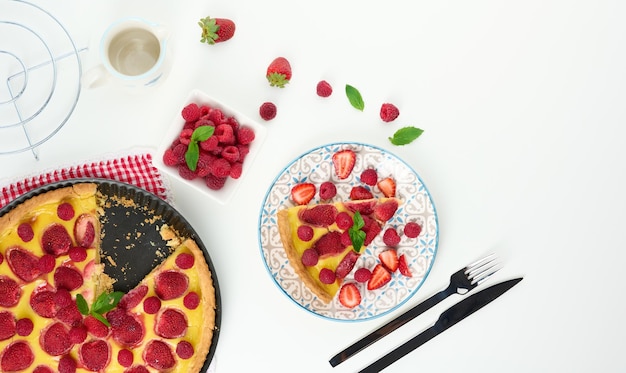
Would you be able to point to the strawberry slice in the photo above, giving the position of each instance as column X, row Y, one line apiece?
column 349, row 295
column 303, row 193
column 387, row 187
column 343, row 161
column 403, row 266
column 389, row 259
column 380, row 277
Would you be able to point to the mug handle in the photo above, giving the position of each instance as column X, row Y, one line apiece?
column 95, row 77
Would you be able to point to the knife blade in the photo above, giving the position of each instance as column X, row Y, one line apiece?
column 448, row 318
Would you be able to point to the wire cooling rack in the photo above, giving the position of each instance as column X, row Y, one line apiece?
column 40, row 76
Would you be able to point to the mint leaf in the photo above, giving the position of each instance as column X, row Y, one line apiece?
column 106, row 302
column 101, row 319
column 202, row 133
column 192, row 155
column 357, row 236
column 82, row 305
column 405, row 135
column 193, row 151
column 354, row 96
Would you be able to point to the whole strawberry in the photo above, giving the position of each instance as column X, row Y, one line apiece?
column 279, row 72
column 216, row 30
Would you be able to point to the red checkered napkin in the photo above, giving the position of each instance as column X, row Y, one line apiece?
column 136, row 169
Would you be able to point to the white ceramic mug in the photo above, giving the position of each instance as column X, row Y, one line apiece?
column 133, row 54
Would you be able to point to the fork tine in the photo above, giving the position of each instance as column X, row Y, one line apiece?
column 481, row 273
column 472, row 267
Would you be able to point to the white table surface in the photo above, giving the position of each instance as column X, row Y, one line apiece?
column 523, row 107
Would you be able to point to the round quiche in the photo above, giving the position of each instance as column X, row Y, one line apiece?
column 59, row 311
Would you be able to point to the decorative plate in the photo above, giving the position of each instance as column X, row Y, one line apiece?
column 315, row 166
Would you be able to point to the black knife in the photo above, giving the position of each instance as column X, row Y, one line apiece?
column 448, row 318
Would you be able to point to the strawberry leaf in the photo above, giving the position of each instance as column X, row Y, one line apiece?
column 355, row 98
column 357, row 236
column 82, row 305
column 405, row 135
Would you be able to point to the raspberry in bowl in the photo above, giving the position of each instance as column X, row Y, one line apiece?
column 209, row 146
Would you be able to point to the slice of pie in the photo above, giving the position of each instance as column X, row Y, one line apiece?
column 50, row 256
column 317, row 240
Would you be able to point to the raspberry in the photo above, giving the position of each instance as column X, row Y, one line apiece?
column 310, row 257
column 25, row 231
column 179, row 151
column 324, row 89
column 191, row 300
column 343, row 220
column 185, row 260
column 151, row 305
column 231, row 153
column 216, row 116
column 65, row 211
column 203, row 167
column 369, row 176
column 214, row 182
column 267, row 111
column 245, row 135
column 220, row 167
column 185, row 136
column 185, row 172
column 391, row 237
column 62, row 298
column 388, row 112
column 78, row 254
column 412, row 229
column 232, row 121
column 362, row 275
column 67, row 364
column 327, row 190
column 236, row 169
column 209, row 144
column 184, row 350
column 225, row 134
column 125, row 358
column 305, row 233
column 204, row 110
column 24, row 327
column 169, row 158
column 191, row 112
column 327, row 276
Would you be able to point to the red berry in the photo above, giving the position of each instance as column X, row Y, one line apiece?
column 214, row 182
column 324, row 89
column 362, row 275
column 95, row 355
column 67, row 278
column 78, row 254
column 231, row 153
column 133, row 297
column 65, row 211
column 170, row 284
column 245, row 135
column 158, row 355
column 369, row 176
column 25, row 231
column 191, row 112
column 171, row 323
column 388, row 112
column 185, row 260
column 78, row 334
column 391, row 237
column 344, row 220
column 236, row 169
column 191, row 300
column 359, row 192
column 412, row 229
column 349, row 295
column 310, row 257
column 95, row 327
column 17, row 356
column 8, row 326
column 267, row 110
column 225, row 134
column 327, row 276
column 125, row 328
column 23, row 263
column 327, row 190
column 125, row 358
column 305, row 233
column 151, row 305
column 55, row 240
column 10, row 291
column 184, row 350
column 24, row 327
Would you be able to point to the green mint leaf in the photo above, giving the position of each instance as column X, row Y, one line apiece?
column 101, row 319
column 202, row 133
column 405, row 135
column 357, row 236
column 192, row 155
column 106, row 302
column 82, row 305
column 354, row 96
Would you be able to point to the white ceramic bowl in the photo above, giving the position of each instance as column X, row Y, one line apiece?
column 224, row 194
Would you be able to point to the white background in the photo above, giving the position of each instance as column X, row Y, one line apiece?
column 523, row 107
